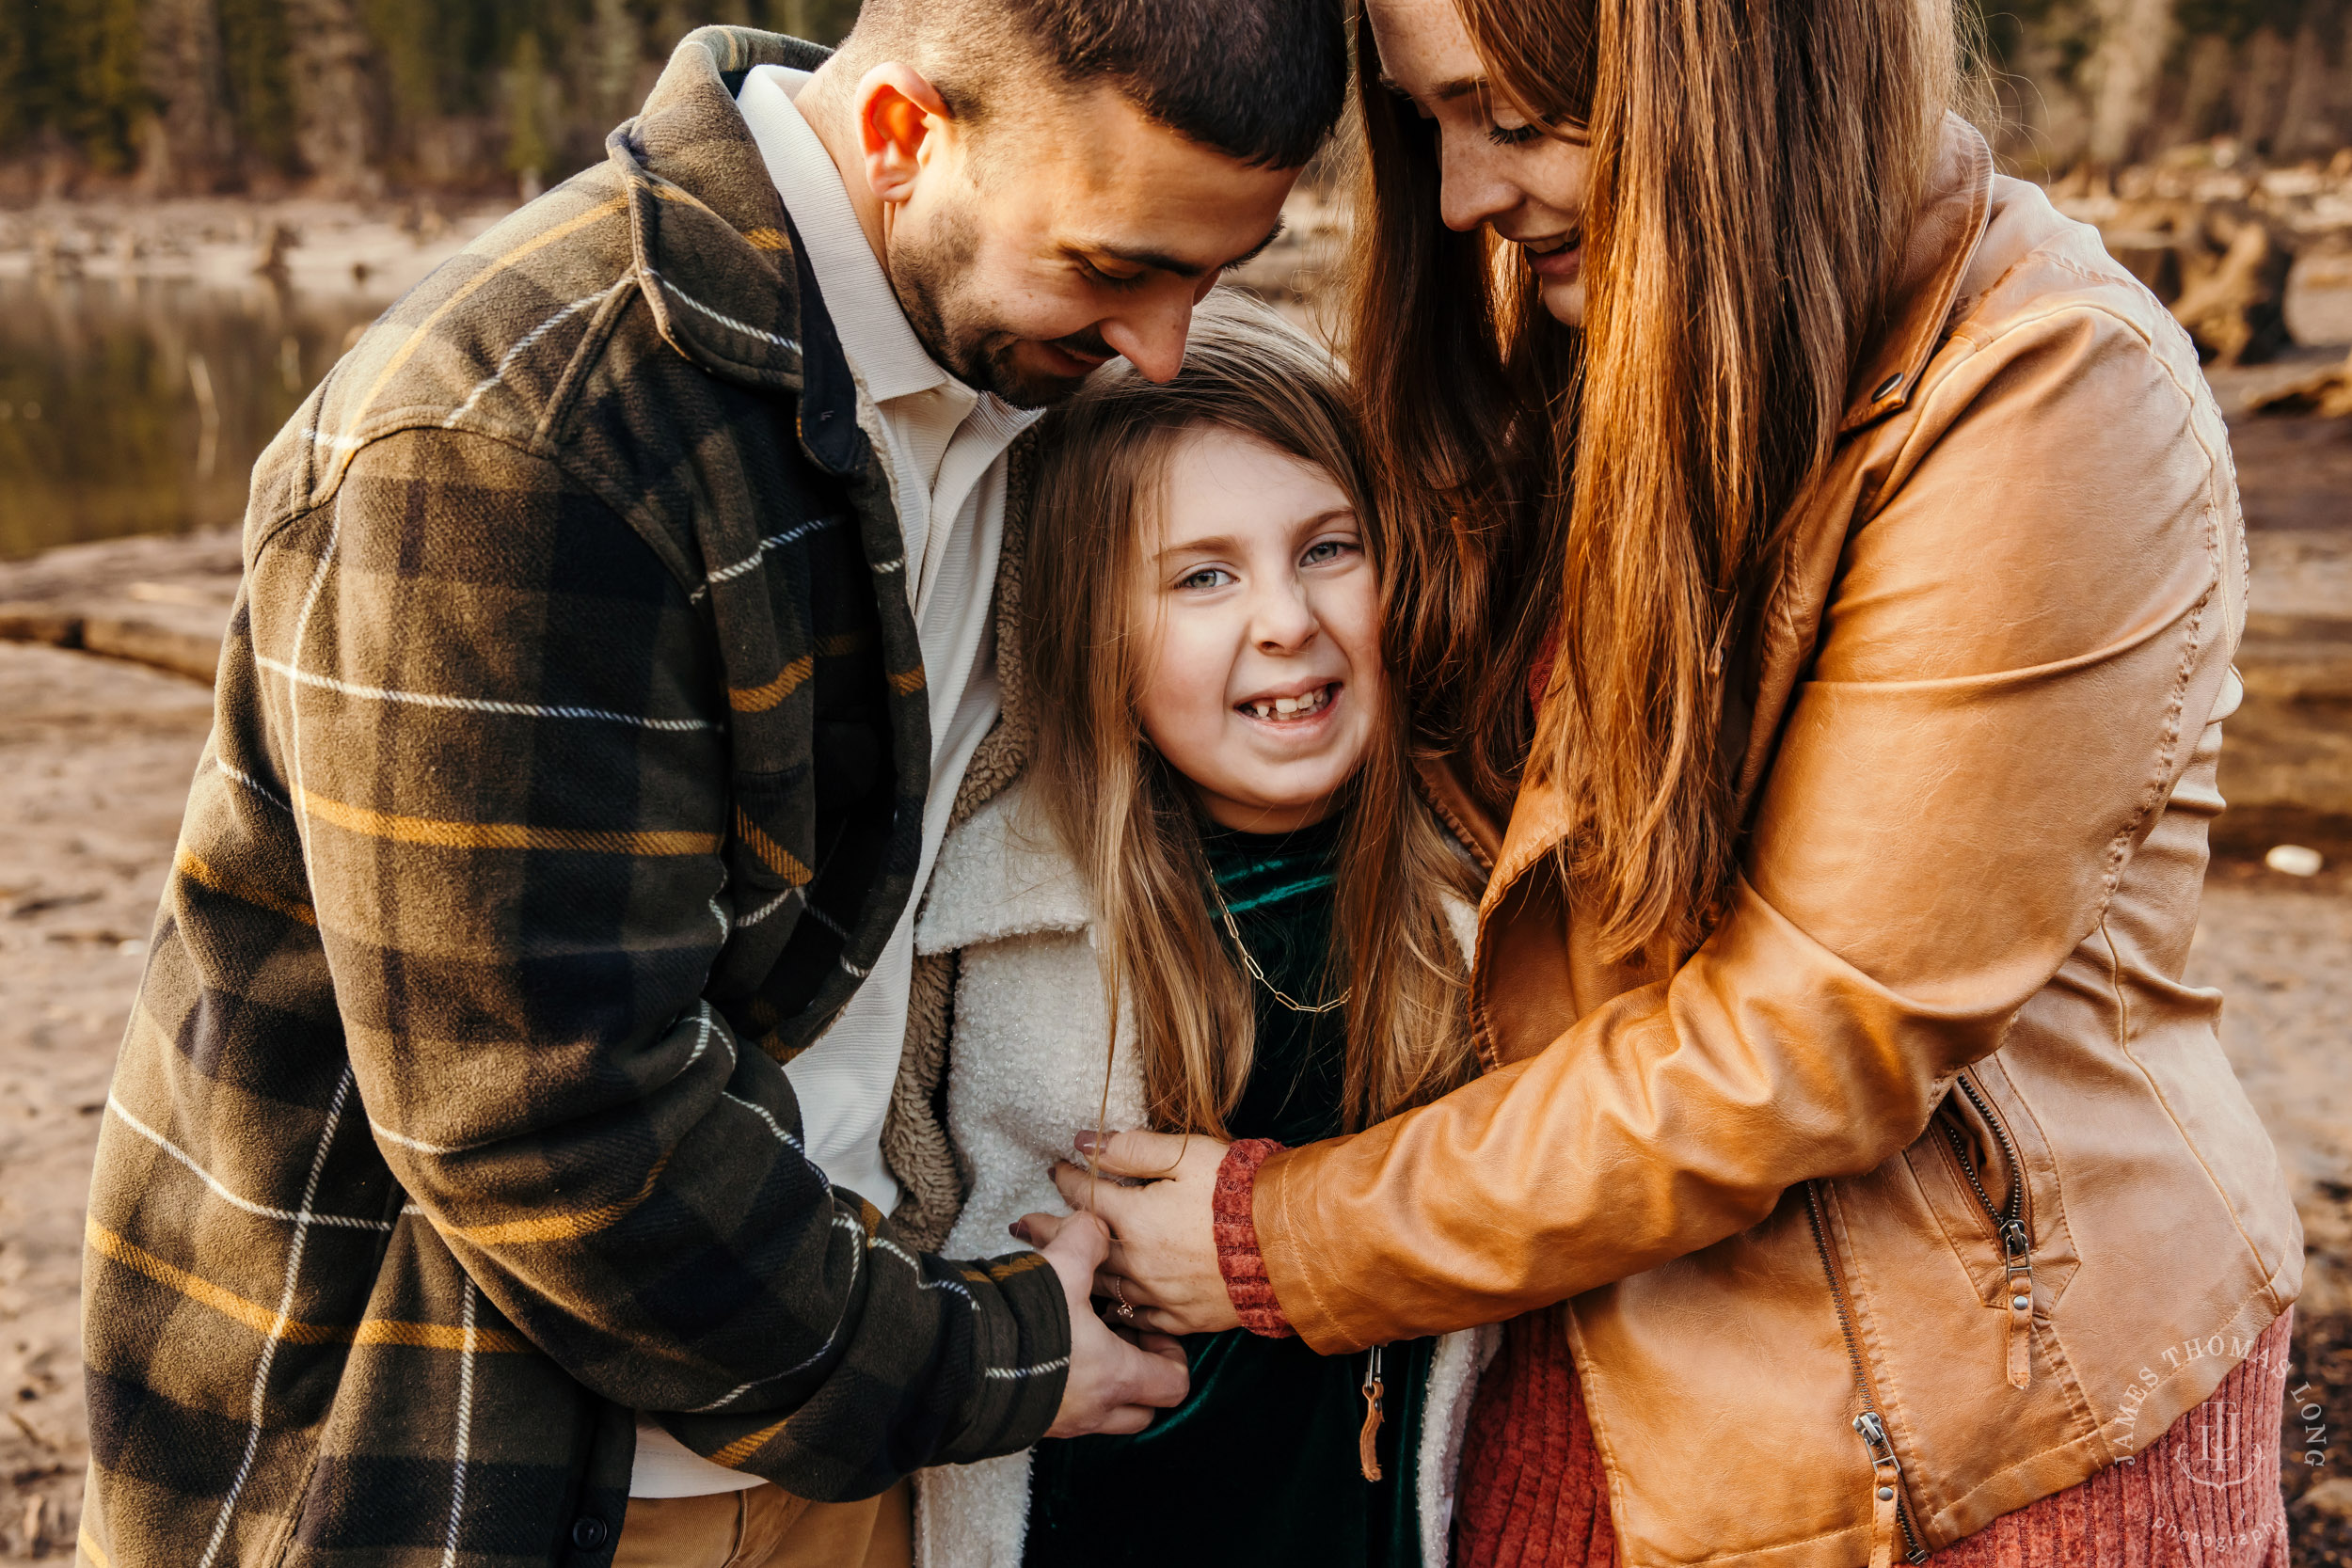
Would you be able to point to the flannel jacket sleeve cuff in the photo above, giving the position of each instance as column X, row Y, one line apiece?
column 1020, row 1351
column 1236, row 1230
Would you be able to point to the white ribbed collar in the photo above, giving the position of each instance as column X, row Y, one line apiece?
column 884, row 350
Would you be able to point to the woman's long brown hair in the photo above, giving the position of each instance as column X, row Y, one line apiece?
column 1129, row 820
column 1756, row 166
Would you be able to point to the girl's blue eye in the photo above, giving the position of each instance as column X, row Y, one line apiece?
column 1329, row 549
column 1208, row 576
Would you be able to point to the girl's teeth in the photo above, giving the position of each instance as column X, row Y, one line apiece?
column 1288, row 707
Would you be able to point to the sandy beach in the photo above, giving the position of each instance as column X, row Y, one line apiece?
column 95, row 757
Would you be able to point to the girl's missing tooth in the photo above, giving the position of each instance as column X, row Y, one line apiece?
column 1219, row 844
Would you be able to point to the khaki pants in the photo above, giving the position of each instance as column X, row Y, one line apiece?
column 764, row 1527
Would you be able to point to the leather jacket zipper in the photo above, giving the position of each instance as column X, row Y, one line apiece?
column 2009, row 1224
column 1889, row 1513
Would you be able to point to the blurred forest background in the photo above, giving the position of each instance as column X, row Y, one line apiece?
column 362, row 98
column 335, row 97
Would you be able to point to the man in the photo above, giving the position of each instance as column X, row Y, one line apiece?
column 499, row 1134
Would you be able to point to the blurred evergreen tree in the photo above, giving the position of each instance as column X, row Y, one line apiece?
column 528, row 151
column 18, row 118
column 72, row 67
column 257, row 51
column 2237, row 20
column 539, row 81
column 817, row 21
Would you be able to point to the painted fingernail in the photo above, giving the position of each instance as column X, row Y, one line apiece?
column 1090, row 1143
column 1020, row 1232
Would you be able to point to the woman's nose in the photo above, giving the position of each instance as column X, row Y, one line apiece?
column 1471, row 190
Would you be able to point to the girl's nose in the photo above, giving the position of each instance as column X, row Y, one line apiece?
column 1282, row 620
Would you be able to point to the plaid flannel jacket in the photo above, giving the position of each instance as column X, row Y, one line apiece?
column 566, row 776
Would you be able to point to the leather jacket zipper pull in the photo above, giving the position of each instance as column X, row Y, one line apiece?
column 2017, row 1251
column 1883, row 1531
column 2016, row 1241
column 1888, row 1532
column 1365, row 1451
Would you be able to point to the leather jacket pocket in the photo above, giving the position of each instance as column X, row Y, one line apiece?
column 1987, row 1172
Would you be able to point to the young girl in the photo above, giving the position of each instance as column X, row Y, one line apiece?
column 1220, row 844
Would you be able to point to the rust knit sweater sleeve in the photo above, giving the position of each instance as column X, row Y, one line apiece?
column 1237, row 1232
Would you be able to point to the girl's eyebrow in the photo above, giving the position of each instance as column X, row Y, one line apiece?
column 1220, row 544
column 1215, row 544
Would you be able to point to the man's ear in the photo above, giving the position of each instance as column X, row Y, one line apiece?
column 899, row 113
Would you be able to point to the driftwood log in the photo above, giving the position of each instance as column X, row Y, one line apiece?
column 141, row 641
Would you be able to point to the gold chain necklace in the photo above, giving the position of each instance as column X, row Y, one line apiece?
column 1312, row 1010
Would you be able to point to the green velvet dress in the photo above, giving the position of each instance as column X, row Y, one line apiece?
column 1259, row 1466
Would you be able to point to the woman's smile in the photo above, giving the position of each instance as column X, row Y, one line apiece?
column 1556, row 256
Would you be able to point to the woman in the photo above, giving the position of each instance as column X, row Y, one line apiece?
column 1867, row 542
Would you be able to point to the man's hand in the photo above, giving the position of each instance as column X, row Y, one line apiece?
column 1163, row 1254
column 1114, row 1384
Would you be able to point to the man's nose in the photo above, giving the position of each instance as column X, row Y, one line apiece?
column 1153, row 338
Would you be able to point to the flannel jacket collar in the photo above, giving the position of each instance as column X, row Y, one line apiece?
column 721, row 268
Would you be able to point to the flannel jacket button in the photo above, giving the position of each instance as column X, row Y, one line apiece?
column 588, row 1533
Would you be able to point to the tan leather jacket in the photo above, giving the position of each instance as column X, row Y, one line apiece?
column 1986, row 708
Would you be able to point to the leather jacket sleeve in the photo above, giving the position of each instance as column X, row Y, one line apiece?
column 2035, row 586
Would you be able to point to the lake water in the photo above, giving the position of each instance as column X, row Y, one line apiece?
column 139, row 405
column 136, row 404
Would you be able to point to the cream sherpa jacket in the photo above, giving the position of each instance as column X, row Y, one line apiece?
column 1027, row 1065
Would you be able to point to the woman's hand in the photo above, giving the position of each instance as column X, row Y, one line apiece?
column 1163, row 1256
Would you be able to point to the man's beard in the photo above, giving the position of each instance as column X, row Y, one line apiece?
column 933, row 285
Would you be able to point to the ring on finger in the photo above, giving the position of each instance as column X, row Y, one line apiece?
column 1118, row 1293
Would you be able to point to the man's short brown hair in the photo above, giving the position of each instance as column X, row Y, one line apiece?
column 1261, row 81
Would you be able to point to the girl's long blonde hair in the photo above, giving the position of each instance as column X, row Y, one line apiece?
column 1128, row 820
column 1756, row 167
